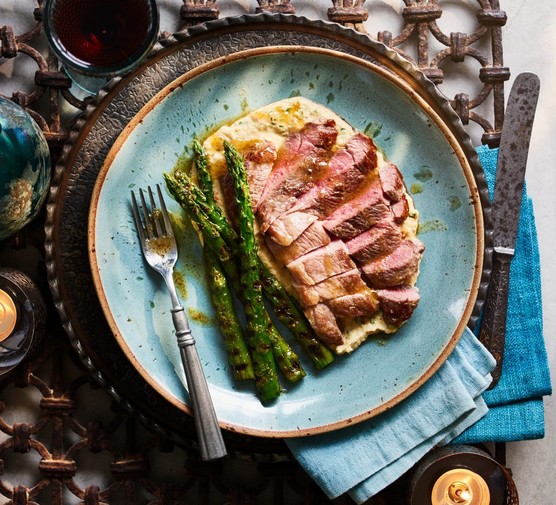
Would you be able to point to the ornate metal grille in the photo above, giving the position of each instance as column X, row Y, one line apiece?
column 420, row 32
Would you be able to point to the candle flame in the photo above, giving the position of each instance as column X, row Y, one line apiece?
column 459, row 492
column 465, row 495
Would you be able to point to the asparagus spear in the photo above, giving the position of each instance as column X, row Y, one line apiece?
column 203, row 174
column 184, row 194
column 286, row 358
column 238, row 354
column 257, row 325
column 284, row 307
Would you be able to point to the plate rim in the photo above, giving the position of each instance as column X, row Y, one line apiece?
column 276, row 22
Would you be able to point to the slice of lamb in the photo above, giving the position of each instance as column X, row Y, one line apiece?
column 347, row 170
column 301, row 159
column 333, row 287
column 259, row 162
column 392, row 182
column 363, row 303
column 324, row 262
column 398, row 303
column 400, row 210
column 312, row 238
column 378, row 241
column 289, row 227
column 324, row 323
column 397, row 268
column 367, row 208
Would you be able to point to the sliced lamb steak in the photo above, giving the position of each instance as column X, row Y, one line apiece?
column 363, row 303
column 259, row 162
column 333, row 287
column 324, row 323
column 299, row 163
column 380, row 240
column 347, row 171
column 312, row 238
column 397, row 304
column 392, row 182
column 400, row 210
column 318, row 265
column 396, row 268
column 288, row 227
column 357, row 215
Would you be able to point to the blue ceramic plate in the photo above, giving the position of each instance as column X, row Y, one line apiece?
column 381, row 372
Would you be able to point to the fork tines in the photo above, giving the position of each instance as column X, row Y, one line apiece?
column 154, row 222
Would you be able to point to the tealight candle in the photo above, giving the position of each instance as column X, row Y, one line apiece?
column 459, row 475
column 22, row 318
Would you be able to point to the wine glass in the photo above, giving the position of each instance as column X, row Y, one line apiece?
column 99, row 39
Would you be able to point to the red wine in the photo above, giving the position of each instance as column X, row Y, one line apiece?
column 102, row 33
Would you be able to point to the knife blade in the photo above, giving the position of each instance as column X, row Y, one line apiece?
column 506, row 207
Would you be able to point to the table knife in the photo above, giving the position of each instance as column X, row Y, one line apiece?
column 506, row 207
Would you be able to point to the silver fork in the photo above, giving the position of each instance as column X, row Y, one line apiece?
column 160, row 250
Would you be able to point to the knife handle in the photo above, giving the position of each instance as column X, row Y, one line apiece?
column 211, row 442
column 493, row 328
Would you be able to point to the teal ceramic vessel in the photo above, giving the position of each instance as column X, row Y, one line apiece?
column 24, row 168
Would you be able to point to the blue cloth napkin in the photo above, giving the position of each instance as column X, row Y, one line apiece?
column 367, row 457
column 453, row 405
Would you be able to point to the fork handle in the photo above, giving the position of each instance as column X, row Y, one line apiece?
column 211, row 443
